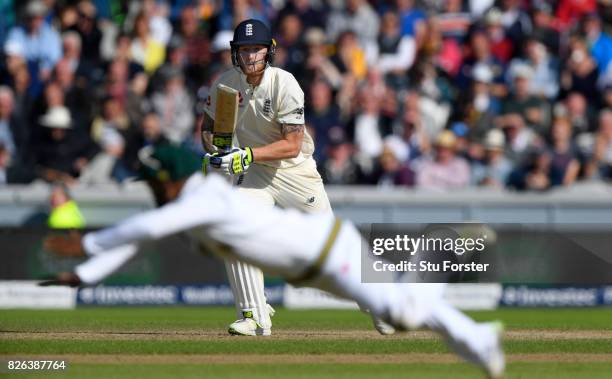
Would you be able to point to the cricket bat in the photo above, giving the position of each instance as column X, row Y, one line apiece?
column 226, row 115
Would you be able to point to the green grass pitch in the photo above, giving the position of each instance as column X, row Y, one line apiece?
column 181, row 342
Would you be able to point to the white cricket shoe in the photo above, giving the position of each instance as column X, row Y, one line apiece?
column 382, row 327
column 489, row 355
column 492, row 359
column 247, row 326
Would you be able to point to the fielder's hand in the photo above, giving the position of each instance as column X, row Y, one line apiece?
column 237, row 161
column 65, row 245
column 63, row 279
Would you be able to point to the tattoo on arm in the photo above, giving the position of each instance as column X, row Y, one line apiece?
column 291, row 128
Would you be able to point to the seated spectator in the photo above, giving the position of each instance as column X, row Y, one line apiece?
column 61, row 153
column 145, row 50
column 600, row 164
column 350, row 57
column 41, row 43
column 580, row 73
column 323, row 115
column 444, row 170
column 496, row 168
column 564, row 166
column 392, row 168
column 339, row 166
column 544, row 28
column 412, row 20
column 521, row 101
column 599, row 41
column 5, row 161
column 175, row 107
column 368, row 137
column 318, row 65
column 502, row 47
column 519, row 137
column 477, row 107
column 576, row 108
column 534, row 175
column 545, row 80
column 395, row 53
column 358, row 17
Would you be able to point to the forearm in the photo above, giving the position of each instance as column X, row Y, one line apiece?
column 287, row 147
column 206, row 134
column 100, row 266
column 282, row 149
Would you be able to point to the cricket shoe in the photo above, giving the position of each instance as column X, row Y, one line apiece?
column 489, row 355
column 247, row 326
column 493, row 360
column 382, row 327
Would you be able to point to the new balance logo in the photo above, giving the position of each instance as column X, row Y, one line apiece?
column 310, row 200
column 249, row 29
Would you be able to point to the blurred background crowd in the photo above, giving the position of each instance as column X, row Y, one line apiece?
column 437, row 94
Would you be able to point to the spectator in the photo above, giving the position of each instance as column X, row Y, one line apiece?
column 13, row 134
column 520, row 137
column 412, row 20
column 323, row 115
column 564, row 165
column 392, row 168
column 313, row 14
column 600, row 164
column 545, row 80
column 477, row 108
column 290, row 48
column 579, row 113
column 395, row 53
column 544, row 27
column 479, row 51
column 318, row 66
column 40, row 41
column 222, row 57
column 61, row 153
column 444, row 170
column 91, row 36
column 496, row 168
column 521, row 101
column 145, row 50
column 350, row 57
column 535, row 174
column 580, row 72
column 5, row 161
column 339, row 166
column 599, row 41
column 65, row 213
column 516, row 21
column 357, row 17
column 502, row 47
column 175, row 107
column 368, row 138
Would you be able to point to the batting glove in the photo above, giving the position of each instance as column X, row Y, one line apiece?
column 212, row 163
column 237, row 161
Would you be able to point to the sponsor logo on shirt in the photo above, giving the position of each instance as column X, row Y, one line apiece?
column 267, row 109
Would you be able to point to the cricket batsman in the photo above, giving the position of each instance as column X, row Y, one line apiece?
column 315, row 250
column 272, row 156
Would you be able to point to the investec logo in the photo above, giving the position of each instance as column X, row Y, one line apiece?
column 249, row 29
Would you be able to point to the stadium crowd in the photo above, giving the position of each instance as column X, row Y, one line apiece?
column 437, row 94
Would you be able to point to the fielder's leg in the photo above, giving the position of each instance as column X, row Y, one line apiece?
column 410, row 306
column 247, row 283
column 302, row 188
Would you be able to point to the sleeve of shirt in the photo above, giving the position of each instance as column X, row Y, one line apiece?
column 291, row 102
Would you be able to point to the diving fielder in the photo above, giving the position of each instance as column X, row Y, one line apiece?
column 317, row 250
column 274, row 158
